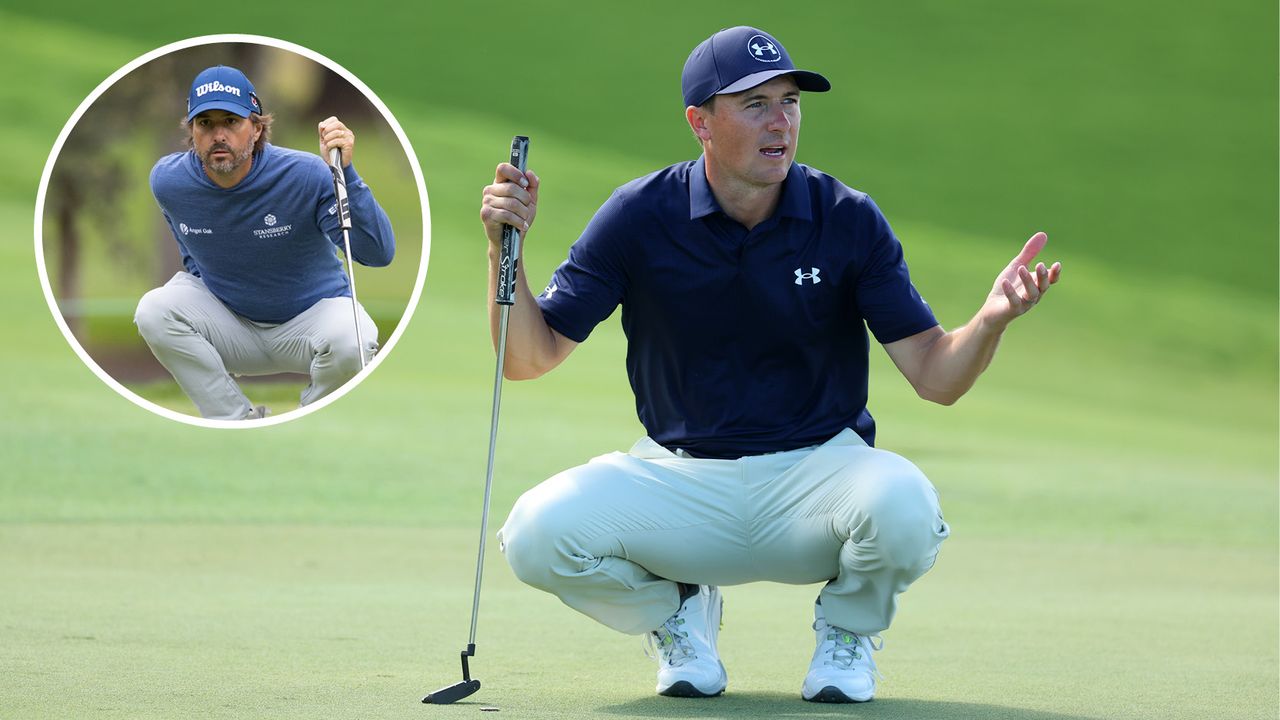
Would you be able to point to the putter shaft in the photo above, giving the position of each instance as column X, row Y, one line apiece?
column 344, row 219
column 504, row 312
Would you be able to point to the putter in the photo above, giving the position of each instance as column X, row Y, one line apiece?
column 344, row 218
column 508, row 260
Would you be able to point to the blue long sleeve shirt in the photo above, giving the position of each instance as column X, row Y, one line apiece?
column 267, row 247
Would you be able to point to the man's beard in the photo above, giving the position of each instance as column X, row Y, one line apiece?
column 229, row 166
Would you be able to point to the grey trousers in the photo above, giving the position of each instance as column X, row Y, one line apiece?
column 613, row 537
column 202, row 343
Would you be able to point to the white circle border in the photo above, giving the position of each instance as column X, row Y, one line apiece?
column 115, row 77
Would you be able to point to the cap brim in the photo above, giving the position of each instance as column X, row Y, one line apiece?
column 805, row 80
column 230, row 107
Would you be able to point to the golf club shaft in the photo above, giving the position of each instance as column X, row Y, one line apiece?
column 504, row 312
column 344, row 218
column 508, row 261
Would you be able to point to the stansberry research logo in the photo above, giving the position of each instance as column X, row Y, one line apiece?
column 273, row 228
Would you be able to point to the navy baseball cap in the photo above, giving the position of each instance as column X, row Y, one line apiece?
column 222, row 88
column 737, row 59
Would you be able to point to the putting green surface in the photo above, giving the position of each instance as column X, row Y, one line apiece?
column 234, row 621
column 1111, row 482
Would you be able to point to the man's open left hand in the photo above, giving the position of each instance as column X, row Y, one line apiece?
column 1018, row 288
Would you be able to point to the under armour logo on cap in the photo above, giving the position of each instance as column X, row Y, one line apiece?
column 718, row 66
column 763, row 49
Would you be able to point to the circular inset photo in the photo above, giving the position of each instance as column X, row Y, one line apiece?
column 232, row 231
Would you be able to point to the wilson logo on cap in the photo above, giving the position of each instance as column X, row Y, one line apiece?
column 763, row 49
column 216, row 86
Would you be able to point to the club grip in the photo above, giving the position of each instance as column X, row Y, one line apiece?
column 509, row 257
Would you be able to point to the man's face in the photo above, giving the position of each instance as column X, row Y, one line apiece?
column 223, row 141
column 751, row 136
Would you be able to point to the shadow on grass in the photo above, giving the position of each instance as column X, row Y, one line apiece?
column 788, row 705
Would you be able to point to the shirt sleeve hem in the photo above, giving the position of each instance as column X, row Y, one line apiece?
column 562, row 326
column 905, row 331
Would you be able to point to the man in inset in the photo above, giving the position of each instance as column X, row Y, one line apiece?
column 747, row 283
column 264, row 290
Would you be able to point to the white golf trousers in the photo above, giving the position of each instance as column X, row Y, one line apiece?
column 202, row 343
column 613, row 537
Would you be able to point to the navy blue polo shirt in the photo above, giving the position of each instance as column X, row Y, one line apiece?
column 741, row 342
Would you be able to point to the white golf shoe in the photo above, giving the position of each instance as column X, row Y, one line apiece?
column 842, row 670
column 688, row 664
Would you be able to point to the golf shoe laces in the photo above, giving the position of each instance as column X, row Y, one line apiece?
column 848, row 649
column 670, row 644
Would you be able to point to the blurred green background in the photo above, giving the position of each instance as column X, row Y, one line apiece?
column 105, row 242
column 1111, row 481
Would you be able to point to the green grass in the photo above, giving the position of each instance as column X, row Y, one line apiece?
column 1111, row 482
column 278, row 397
column 233, row 621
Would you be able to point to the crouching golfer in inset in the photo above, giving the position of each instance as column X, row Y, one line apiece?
column 264, row 290
column 747, row 283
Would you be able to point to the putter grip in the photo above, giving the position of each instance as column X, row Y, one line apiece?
column 341, row 205
column 509, row 257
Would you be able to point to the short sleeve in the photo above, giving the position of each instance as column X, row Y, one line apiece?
column 592, row 280
column 885, row 297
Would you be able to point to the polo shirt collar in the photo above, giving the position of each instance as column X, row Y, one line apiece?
column 794, row 202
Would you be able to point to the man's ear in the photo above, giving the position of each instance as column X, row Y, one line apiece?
column 697, row 118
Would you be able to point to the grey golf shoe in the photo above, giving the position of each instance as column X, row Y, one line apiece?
column 688, row 663
column 842, row 670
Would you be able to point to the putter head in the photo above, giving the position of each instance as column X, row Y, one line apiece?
column 452, row 693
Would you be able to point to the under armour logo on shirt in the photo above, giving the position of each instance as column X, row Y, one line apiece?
column 801, row 276
column 550, row 290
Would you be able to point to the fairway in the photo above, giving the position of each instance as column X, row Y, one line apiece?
column 1111, row 483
